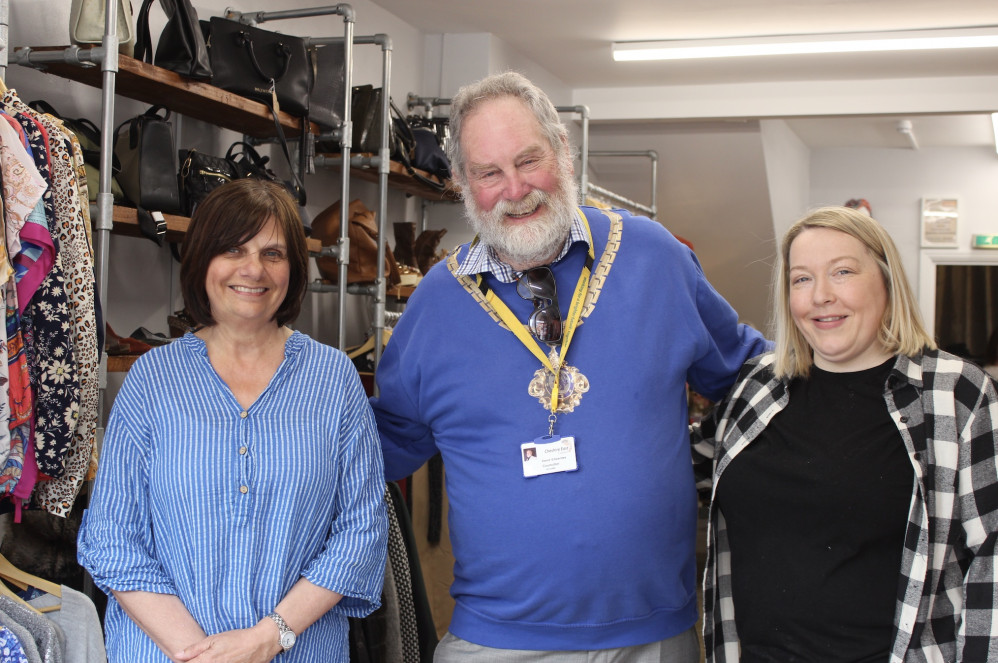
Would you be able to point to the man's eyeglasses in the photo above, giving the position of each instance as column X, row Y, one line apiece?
column 545, row 322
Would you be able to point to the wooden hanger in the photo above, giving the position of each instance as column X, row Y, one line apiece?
column 9, row 593
column 368, row 345
column 24, row 580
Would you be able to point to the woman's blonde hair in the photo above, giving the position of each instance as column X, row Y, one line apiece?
column 901, row 330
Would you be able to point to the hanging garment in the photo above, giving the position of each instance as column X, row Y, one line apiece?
column 74, row 244
column 57, row 496
column 11, row 650
column 47, row 636
column 23, row 187
column 77, row 617
column 402, row 574
column 24, row 639
column 393, row 623
column 22, row 190
column 46, row 322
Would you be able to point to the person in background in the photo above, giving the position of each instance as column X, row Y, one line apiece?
column 238, row 511
column 571, row 330
column 855, row 490
column 860, row 205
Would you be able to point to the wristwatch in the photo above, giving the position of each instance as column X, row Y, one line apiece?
column 287, row 635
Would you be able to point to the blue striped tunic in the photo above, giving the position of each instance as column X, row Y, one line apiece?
column 228, row 508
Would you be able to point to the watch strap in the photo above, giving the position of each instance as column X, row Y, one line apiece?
column 285, row 631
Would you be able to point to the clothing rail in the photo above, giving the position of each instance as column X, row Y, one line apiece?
column 652, row 155
column 107, row 56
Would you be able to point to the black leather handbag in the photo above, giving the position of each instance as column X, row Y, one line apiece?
column 181, row 46
column 365, row 115
column 418, row 149
column 200, row 174
column 144, row 146
column 248, row 61
column 325, row 104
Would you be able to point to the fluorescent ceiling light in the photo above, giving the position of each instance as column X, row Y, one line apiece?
column 906, row 40
column 994, row 127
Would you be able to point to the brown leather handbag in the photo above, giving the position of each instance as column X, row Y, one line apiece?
column 363, row 233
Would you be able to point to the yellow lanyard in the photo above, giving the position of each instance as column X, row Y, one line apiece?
column 571, row 323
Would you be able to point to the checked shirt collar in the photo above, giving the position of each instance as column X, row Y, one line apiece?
column 481, row 258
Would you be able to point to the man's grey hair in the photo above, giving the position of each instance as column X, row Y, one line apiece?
column 496, row 86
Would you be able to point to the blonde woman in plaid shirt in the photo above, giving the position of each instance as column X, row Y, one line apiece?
column 854, row 509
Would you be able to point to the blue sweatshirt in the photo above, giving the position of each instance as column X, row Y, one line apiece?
column 596, row 558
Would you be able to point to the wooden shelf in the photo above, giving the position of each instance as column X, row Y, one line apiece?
column 125, row 222
column 120, row 363
column 400, row 179
column 154, row 85
column 401, row 291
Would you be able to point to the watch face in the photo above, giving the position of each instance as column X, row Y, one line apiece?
column 287, row 639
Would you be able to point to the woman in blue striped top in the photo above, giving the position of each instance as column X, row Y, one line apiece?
column 238, row 513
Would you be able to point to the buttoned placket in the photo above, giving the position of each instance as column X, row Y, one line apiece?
column 244, row 498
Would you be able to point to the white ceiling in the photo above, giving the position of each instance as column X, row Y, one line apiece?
column 572, row 40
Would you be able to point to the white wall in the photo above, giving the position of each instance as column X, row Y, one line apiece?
column 788, row 171
column 712, row 190
column 895, row 181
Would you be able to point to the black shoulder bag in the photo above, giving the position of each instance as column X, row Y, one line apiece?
column 404, row 146
column 181, row 46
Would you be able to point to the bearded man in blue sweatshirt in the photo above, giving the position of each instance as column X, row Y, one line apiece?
column 621, row 312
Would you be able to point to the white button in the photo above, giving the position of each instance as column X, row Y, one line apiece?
column 243, row 489
column 242, row 450
column 244, row 414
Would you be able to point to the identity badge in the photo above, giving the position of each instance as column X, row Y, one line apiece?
column 547, row 455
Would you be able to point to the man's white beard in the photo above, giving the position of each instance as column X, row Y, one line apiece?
column 529, row 244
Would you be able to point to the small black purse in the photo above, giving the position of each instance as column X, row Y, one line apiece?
column 200, row 174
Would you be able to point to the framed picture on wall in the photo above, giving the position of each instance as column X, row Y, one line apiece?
column 940, row 220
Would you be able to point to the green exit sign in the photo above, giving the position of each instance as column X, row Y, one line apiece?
column 985, row 242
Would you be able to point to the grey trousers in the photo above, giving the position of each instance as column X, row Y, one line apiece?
column 682, row 648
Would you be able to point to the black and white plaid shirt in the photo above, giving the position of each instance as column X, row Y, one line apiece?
column 946, row 410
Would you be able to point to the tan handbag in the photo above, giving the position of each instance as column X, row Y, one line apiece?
column 86, row 24
column 363, row 234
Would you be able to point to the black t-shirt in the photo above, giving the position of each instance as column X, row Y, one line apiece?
column 816, row 511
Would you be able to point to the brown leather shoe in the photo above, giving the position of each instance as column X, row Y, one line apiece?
column 123, row 345
column 180, row 323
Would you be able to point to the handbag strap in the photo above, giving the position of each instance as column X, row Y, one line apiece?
column 245, row 40
column 299, row 187
column 143, row 38
column 248, row 152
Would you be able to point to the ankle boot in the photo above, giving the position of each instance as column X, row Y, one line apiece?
column 425, row 249
column 405, row 236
